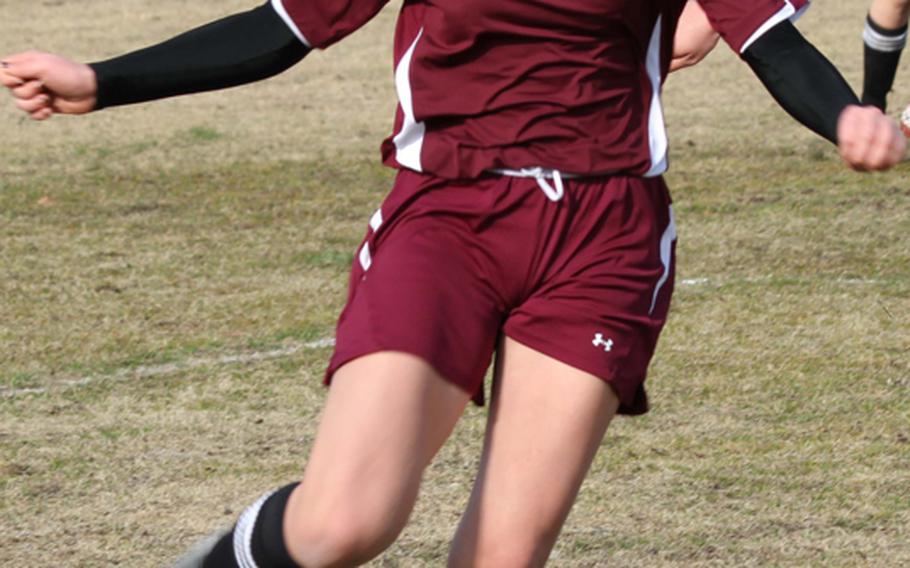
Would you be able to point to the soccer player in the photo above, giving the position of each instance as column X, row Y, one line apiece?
column 529, row 217
column 884, row 38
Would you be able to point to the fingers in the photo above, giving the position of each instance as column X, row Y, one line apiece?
column 868, row 140
column 887, row 149
column 851, row 139
column 40, row 81
column 35, row 103
column 22, row 67
column 7, row 79
column 42, row 114
column 30, row 95
column 28, row 89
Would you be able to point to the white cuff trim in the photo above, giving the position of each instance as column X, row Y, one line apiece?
column 785, row 13
column 279, row 9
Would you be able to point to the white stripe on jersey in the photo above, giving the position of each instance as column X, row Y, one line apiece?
column 657, row 131
column 409, row 141
column 279, row 8
column 785, row 13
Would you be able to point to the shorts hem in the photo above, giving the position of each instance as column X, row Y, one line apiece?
column 633, row 400
column 450, row 376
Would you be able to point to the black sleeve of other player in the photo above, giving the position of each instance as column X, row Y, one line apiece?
column 800, row 79
column 232, row 51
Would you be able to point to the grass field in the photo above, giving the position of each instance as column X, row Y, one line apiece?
column 169, row 274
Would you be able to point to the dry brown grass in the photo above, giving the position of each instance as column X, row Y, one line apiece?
column 157, row 250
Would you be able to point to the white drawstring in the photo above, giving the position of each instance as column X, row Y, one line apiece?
column 553, row 192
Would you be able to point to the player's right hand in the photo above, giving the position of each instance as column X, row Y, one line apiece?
column 44, row 84
column 868, row 140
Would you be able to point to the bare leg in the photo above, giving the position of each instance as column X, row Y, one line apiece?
column 546, row 422
column 891, row 14
column 386, row 416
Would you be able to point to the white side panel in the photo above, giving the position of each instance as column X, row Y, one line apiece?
column 657, row 131
column 408, row 142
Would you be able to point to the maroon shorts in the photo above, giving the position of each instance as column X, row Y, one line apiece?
column 447, row 266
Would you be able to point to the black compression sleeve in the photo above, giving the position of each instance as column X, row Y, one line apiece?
column 800, row 79
column 232, row 51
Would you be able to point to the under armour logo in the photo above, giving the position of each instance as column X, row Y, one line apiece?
column 600, row 341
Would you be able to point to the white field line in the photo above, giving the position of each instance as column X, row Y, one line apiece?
column 704, row 281
column 694, row 281
column 146, row 371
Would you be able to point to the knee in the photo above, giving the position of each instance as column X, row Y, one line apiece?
column 343, row 537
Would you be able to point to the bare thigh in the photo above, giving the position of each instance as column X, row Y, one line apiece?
column 386, row 416
column 547, row 420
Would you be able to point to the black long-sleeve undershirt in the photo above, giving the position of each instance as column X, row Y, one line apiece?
column 800, row 79
column 235, row 50
column 257, row 44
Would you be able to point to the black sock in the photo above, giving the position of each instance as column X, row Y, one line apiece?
column 259, row 532
column 222, row 555
column 881, row 53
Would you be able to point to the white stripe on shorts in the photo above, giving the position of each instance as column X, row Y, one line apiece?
column 376, row 220
column 366, row 259
column 666, row 256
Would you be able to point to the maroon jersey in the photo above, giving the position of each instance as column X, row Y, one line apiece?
column 572, row 85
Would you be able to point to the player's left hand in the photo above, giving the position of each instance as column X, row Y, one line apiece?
column 44, row 84
column 868, row 140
